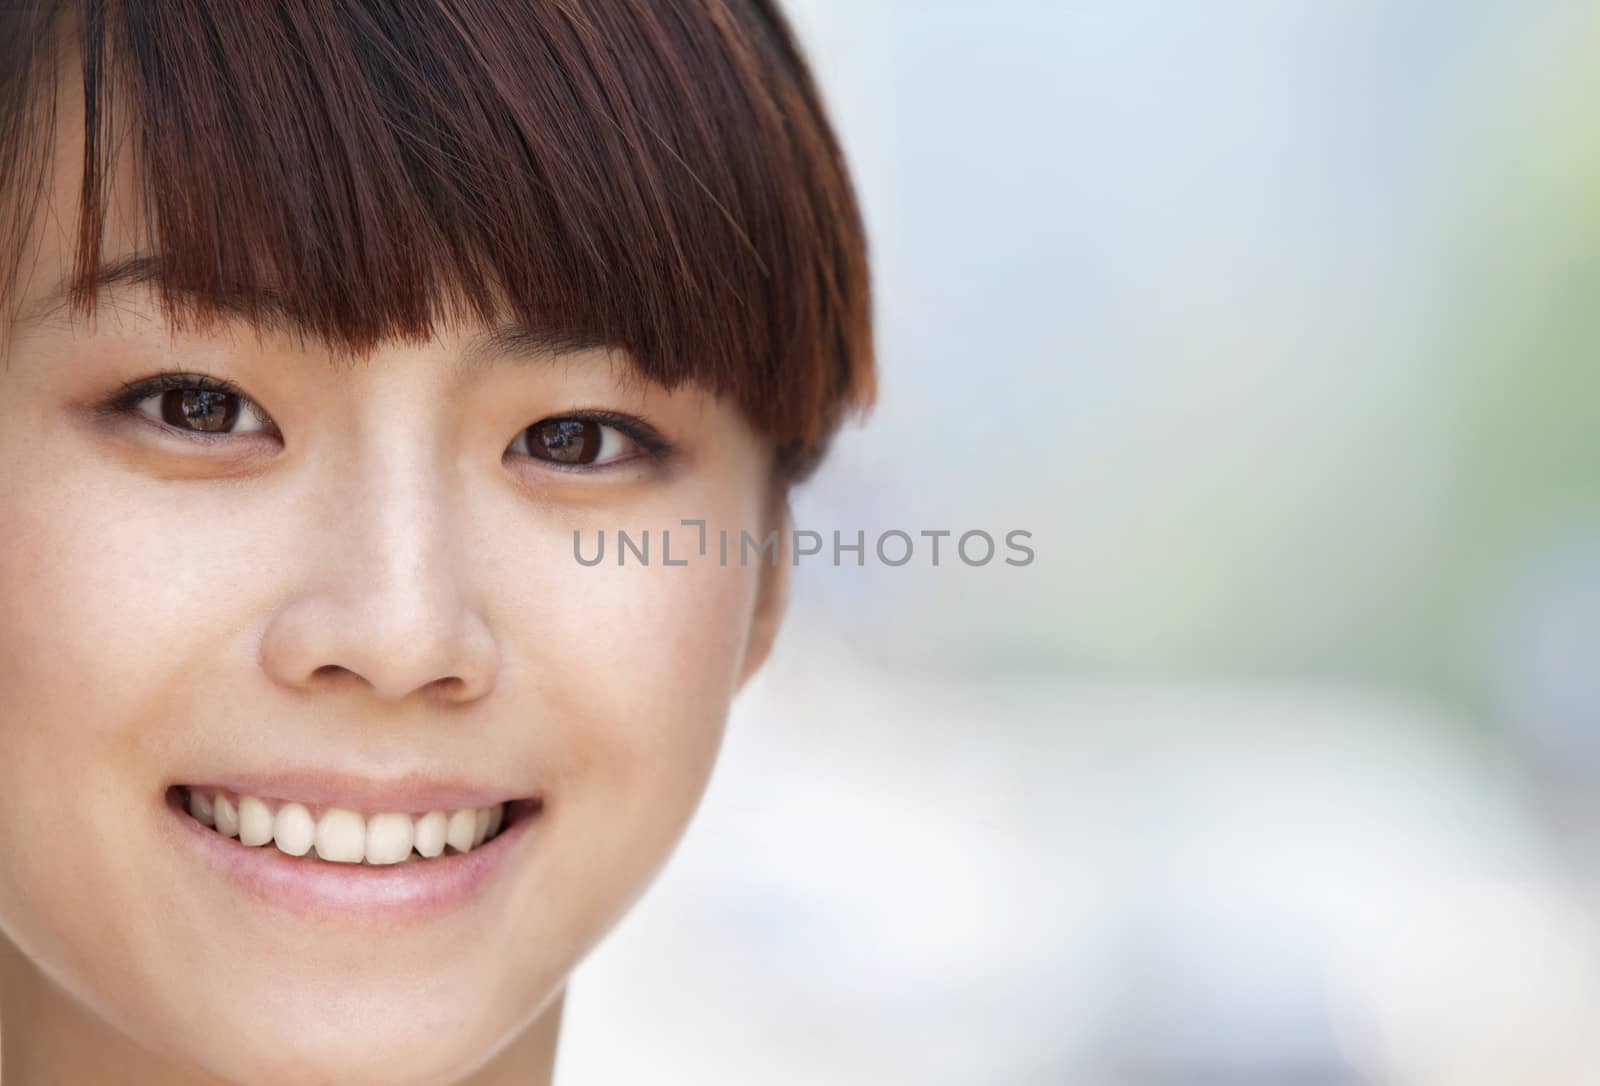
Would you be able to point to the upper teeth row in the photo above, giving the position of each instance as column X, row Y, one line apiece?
column 344, row 836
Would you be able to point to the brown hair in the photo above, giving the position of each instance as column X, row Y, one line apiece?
column 656, row 177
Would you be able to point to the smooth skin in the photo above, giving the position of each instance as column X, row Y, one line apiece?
column 376, row 584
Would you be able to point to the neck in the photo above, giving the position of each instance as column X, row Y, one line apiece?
column 47, row 1036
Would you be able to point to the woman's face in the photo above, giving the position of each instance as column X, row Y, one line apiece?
column 354, row 590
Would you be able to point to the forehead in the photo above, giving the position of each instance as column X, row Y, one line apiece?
column 132, row 280
column 89, row 251
column 131, row 286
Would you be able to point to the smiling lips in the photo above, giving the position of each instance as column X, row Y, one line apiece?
column 339, row 835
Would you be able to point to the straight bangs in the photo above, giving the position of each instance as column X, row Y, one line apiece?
column 656, row 177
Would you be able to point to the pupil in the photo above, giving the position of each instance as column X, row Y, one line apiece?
column 199, row 409
column 568, row 441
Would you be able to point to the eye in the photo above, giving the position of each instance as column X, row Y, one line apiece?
column 196, row 405
column 577, row 441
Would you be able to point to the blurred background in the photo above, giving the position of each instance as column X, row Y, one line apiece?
column 1275, row 324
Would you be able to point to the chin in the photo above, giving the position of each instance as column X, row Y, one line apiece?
column 355, row 1034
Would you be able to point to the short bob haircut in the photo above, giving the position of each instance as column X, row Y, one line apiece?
column 656, row 177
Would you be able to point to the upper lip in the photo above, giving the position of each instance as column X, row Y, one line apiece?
column 320, row 787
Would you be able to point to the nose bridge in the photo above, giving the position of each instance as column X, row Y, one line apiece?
column 402, row 545
column 392, row 603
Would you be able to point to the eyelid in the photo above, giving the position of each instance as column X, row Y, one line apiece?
column 653, row 446
column 133, row 393
column 648, row 437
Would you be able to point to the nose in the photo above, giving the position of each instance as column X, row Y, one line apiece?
column 381, row 594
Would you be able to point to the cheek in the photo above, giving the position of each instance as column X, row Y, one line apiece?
column 114, row 611
column 639, row 665
column 113, row 600
column 76, row 631
column 91, row 656
column 648, row 658
column 120, row 628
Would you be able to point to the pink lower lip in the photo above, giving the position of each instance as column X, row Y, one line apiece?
column 410, row 893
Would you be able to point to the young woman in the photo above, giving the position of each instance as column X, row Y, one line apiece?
column 328, row 329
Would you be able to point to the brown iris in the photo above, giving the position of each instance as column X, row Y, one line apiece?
column 199, row 409
column 565, row 441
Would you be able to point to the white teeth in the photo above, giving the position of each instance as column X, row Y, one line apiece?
column 200, row 807
column 463, row 825
column 389, row 838
column 227, row 816
column 431, row 829
column 293, row 829
column 344, row 836
column 255, row 821
column 341, row 836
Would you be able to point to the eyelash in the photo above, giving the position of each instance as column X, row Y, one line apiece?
column 133, row 393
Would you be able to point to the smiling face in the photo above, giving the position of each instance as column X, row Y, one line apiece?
column 350, row 588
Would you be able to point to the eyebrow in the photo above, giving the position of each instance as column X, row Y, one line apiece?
column 505, row 342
